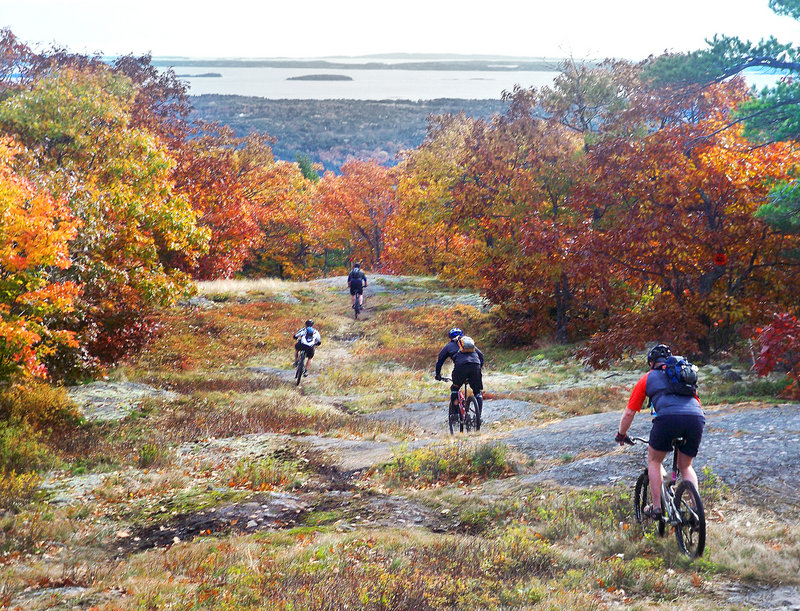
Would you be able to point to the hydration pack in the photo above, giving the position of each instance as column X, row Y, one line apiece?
column 466, row 344
column 681, row 376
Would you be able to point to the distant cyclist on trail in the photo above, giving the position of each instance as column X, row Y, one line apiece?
column 677, row 415
column 468, row 361
column 357, row 282
column 308, row 338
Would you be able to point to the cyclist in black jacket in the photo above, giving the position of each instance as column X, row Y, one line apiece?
column 357, row 282
column 468, row 361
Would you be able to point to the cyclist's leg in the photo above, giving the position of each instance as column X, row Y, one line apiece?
column 353, row 297
column 309, row 358
column 476, row 383
column 654, row 472
column 360, row 297
column 458, row 378
column 693, row 434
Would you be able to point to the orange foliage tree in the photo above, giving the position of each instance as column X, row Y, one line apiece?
column 674, row 222
column 78, row 143
column 35, row 231
column 422, row 235
column 355, row 208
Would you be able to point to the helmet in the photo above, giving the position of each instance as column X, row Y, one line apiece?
column 356, row 265
column 658, row 353
column 309, row 323
column 455, row 332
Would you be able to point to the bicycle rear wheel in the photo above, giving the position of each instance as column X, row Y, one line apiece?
column 301, row 367
column 471, row 414
column 643, row 497
column 453, row 420
column 691, row 529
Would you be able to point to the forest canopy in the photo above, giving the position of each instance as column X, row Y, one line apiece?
column 625, row 204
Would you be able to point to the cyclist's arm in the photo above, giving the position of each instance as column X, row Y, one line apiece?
column 480, row 355
column 626, row 421
column 442, row 358
column 638, row 395
column 317, row 338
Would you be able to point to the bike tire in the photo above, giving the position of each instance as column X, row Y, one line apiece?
column 356, row 310
column 691, row 528
column 643, row 497
column 471, row 414
column 301, row 365
column 452, row 421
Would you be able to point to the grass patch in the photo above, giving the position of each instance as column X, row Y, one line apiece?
column 583, row 401
column 266, row 474
column 462, row 462
column 737, row 392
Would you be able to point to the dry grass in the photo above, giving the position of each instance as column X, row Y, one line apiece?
column 583, row 401
column 256, row 286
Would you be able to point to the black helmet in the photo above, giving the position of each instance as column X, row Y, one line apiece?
column 309, row 323
column 356, row 265
column 658, row 353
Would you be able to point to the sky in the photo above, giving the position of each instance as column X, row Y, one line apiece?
column 584, row 29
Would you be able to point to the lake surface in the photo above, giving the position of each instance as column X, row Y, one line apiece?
column 394, row 84
column 272, row 83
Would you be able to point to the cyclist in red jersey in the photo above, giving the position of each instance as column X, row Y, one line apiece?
column 676, row 416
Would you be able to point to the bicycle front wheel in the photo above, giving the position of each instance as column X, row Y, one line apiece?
column 691, row 528
column 643, row 497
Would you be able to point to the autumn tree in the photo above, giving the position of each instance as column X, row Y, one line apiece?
column 355, row 207
column 75, row 127
column 35, row 231
column 422, row 235
column 674, row 222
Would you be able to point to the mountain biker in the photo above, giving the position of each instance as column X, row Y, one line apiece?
column 676, row 416
column 468, row 361
column 308, row 338
column 357, row 281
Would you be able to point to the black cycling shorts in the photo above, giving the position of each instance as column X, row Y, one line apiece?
column 667, row 428
column 308, row 349
column 356, row 290
column 469, row 372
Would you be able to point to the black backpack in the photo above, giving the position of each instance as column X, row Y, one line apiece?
column 681, row 376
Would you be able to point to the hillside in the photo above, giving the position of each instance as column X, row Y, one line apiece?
column 331, row 131
column 204, row 478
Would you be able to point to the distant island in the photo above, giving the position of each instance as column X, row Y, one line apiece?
column 320, row 77
column 203, row 75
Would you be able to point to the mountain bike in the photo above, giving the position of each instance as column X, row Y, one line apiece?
column 466, row 415
column 357, row 307
column 301, row 367
column 681, row 506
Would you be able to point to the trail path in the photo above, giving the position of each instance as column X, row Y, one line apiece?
column 749, row 447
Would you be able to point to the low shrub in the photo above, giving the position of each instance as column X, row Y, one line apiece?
column 264, row 474
column 152, row 455
column 17, row 489
column 21, row 449
column 40, row 404
column 448, row 463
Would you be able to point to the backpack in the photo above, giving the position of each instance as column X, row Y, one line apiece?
column 466, row 344
column 681, row 376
